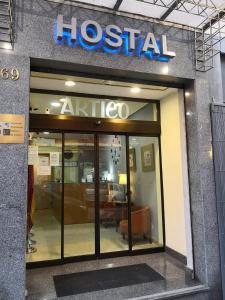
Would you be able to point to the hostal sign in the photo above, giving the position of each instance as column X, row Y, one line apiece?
column 112, row 39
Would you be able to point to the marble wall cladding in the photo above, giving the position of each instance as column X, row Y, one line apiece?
column 222, row 58
column 218, row 128
column 202, row 185
column 35, row 23
column 14, row 99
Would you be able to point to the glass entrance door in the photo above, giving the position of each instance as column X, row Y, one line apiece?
column 79, row 194
column 44, row 199
column 93, row 194
column 113, row 201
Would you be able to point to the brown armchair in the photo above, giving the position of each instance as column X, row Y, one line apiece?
column 140, row 223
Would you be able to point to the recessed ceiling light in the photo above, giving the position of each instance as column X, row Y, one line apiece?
column 165, row 70
column 62, row 100
column 55, row 104
column 7, row 46
column 46, row 132
column 135, row 89
column 70, row 83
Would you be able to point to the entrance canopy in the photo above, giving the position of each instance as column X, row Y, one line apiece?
column 193, row 13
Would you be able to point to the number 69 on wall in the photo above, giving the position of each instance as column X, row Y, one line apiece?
column 11, row 74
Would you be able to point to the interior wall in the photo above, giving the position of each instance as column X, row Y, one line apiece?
column 174, row 165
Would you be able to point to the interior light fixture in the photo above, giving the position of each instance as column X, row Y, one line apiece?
column 187, row 94
column 135, row 90
column 55, row 104
column 70, row 83
column 46, row 132
column 6, row 46
column 62, row 100
column 165, row 70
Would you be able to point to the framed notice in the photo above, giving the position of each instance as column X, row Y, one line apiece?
column 132, row 159
column 43, row 170
column 32, row 155
column 148, row 158
column 12, row 129
column 54, row 159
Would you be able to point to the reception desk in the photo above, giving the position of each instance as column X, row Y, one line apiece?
column 79, row 202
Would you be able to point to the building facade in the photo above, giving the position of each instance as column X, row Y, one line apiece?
column 37, row 49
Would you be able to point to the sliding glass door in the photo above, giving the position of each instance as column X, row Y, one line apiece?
column 44, row 199
column 79, row 194
column 93, row 194
column 113, row 201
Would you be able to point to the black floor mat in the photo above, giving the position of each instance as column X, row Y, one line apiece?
column 84, row 282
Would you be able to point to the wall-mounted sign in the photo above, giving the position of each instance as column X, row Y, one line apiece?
column 32, row 155
column 112, row 39
column 11, row 74
column 54, row 159
column 12, row 129
column 43, row 170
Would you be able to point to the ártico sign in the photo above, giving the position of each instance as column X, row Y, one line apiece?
column 96, row 108
column 112, row 39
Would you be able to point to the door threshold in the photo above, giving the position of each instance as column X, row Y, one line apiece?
column 175, row 294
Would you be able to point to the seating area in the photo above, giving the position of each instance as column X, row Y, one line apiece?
column 140, row 224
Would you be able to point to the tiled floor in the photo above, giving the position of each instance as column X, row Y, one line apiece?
column 40, row 281
column 79, row 239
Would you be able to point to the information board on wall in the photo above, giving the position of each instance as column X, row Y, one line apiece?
column 12, row 129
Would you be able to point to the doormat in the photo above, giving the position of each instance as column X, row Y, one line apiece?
column 92, row 281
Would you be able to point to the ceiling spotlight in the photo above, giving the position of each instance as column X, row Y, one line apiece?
column 62, row 100
column 135, row 89
column 46, row 132
column 55, row 104
column 7, row 46
column 165, row 70
column 70, row 83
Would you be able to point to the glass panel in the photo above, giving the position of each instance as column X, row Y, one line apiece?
column 112, row 192
column 44, row 197
column 93, row 107
column 145, row 186
column 79, row 195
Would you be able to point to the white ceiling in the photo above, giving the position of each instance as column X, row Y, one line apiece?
column 97, row 86
column 54, row 83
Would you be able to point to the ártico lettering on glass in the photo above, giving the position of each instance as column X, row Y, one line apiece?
column 96, row 108
column 112, row 39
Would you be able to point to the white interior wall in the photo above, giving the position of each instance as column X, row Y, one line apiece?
column 175, row 175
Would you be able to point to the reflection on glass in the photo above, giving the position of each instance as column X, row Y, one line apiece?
column 44, row 197
column 146, row 214
column 94, row 108
column 79, row 195
column 112, row 192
